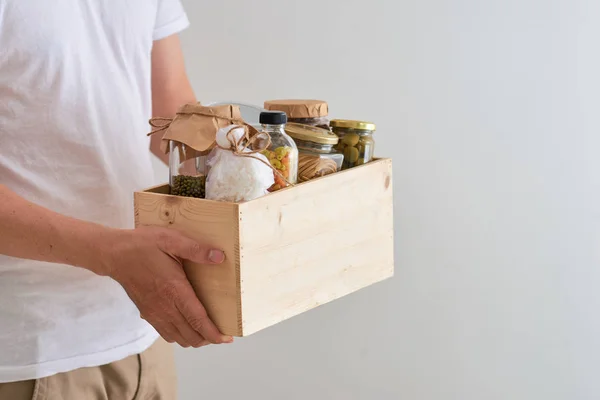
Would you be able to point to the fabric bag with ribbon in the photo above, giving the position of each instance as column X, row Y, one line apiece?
column 237, row 173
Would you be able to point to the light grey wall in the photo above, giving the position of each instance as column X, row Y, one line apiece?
column 490, row 112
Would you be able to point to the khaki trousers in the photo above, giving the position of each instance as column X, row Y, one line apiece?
column 147, row 376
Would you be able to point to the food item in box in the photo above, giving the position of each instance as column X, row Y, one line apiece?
column 311, row 167
column 306, row 112
column 184, row 169
column 236, row 172
column 280, row 159
column 356, row 141
column 188, row 186
column 316, row 148
column 282, row 152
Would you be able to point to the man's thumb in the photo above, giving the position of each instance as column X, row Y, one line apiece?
column 191, row 250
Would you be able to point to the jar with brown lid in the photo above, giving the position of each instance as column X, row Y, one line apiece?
column 356, row 141
column 306, row 112
column 316, row 148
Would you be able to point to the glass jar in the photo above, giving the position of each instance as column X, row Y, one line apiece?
column 282, row 152
column 305, row 112
column 186, row 178
column 356, row 141
column 318, row 122
column 317, row 156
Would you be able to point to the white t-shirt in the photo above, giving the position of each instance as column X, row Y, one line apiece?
column 75, row 99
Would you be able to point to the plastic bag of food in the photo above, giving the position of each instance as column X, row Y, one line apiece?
column 236, row 173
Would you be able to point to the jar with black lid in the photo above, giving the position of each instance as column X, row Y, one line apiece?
column 282, row 153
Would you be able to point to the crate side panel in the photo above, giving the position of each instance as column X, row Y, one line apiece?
column 161, row 189
column 314, row 243
column 215, row 225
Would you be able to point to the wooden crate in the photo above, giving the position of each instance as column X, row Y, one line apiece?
column 287, row 252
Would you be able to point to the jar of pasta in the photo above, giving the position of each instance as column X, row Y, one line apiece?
column 356, row 141
column 317, row 155
column 282, row 152
column 306, row 112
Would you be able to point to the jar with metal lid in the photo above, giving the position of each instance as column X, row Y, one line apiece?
column 282, row 152
column 306, row 112
column 317, row 155
column 356, row 141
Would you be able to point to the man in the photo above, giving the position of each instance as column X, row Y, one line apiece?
column 79, row 80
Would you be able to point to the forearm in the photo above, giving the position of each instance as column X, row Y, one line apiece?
column 165, row 103
column 33, row 232
column 171, row 87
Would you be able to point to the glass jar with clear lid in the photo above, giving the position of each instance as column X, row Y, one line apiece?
column 282, row 153
column 317, row 155
column 356, row 141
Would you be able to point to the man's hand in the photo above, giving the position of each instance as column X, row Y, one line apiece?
column 147, row 263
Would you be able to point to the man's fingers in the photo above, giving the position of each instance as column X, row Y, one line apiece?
column 186, row 248
column 190, row 335
column 166, row 333
column 193, row 326
column 179, row 338
column 195, row 314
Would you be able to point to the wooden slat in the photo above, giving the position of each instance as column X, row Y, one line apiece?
column 214, row 224
column 162, row 189
column 319, row 241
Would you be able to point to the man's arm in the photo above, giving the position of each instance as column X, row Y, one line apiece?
column 32, row 232
column 170, row 84
column 145, row 261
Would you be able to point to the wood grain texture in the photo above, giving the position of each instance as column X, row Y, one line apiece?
column 214, row 224
column 316, row 242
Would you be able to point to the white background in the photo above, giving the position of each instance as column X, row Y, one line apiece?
column 489, row 109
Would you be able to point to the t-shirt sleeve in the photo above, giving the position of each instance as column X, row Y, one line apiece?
column 170, row 19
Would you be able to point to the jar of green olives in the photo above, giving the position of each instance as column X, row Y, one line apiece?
column 356, row 141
